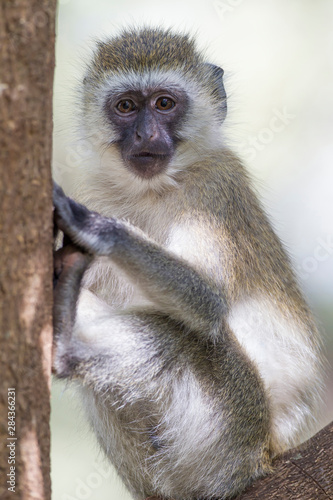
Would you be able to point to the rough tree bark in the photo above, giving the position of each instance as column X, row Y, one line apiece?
column 27, row 37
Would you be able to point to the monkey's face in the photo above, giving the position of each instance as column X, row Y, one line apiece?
column 146, row 124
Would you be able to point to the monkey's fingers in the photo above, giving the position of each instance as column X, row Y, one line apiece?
column 66, row 211
column 84, row 228
column 69, row 216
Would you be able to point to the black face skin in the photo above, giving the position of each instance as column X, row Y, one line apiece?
column 147, row 123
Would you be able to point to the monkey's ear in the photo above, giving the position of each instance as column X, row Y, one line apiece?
column 216, row 76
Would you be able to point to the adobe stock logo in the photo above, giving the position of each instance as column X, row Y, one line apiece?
column 278, row 123
column 84, row 489
column 321, row 253
column 225, row 7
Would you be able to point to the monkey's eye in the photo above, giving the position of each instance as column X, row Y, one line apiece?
column 126, row 106
column 164, row 104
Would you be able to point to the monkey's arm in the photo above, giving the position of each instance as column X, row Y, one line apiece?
column 169, row 282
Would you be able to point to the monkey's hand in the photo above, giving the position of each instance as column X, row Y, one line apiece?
column 86, row 229
column 69, row 257
column 70, row 264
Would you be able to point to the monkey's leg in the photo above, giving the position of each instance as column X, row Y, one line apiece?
column 175, row 288
column 69, row 266
column 160, row 400
column 86, row 328
column 153, row 396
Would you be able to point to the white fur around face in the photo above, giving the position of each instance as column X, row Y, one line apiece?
column 200, row 116
column 200, row 130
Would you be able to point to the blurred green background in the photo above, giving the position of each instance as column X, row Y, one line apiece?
column 278, row 62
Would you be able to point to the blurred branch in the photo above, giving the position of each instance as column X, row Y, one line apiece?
column 305, row 473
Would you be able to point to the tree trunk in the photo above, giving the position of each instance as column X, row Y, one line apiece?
column 27, row 36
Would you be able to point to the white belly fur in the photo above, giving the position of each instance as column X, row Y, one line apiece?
column 278, row 345
column 287, row 364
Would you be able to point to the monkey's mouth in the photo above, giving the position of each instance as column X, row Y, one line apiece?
column 146, row 154
column 146, row 164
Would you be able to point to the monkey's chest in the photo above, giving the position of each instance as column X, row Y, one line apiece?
column 112, row 285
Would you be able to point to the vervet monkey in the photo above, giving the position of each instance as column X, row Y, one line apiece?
column 196, row 353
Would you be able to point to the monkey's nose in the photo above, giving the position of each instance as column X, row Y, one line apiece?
column 146, row 135
column 146, row 128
